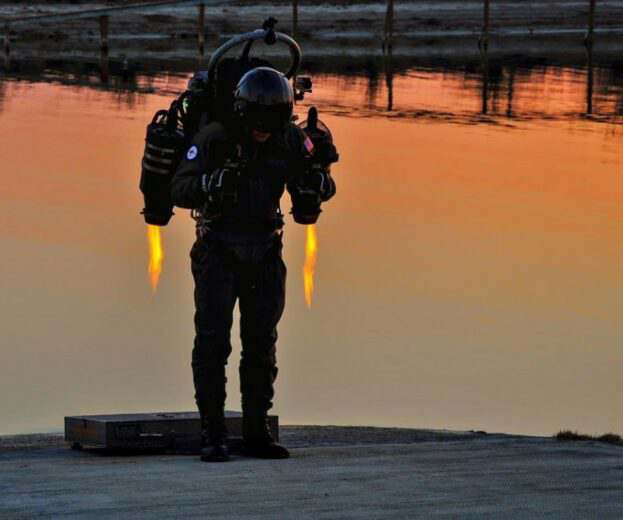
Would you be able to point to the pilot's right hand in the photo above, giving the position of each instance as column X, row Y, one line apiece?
column 221, row 186
column 212, row 184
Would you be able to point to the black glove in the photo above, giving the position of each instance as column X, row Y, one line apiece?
column 325, row 152
column 221, row 186
column 212, row 184
column 316, row 180
column 308, row 192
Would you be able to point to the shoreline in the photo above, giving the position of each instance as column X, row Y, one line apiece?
column 294, row 435
column 308, row 435
column 438, row 29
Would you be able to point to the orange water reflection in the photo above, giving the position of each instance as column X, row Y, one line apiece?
column 469, row 276
column 513, row 92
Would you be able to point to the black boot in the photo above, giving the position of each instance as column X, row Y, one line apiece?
column 257, row 440
column 214, row 439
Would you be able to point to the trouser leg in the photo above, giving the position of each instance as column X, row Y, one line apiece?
column 262, row 300
column 215, row 298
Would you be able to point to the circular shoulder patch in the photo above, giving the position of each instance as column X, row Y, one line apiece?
column 192, row 153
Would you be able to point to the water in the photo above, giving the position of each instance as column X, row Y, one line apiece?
column 468, row 274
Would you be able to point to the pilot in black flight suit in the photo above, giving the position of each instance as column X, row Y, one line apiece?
column 233, row 180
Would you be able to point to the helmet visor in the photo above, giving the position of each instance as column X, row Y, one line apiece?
column 268, row 118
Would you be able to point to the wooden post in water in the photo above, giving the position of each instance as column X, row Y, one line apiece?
column 7, row 47
column 104, row 33
column 295, row 17
column 483, row 41
column 590, row 74
column 389, row 26
column 588, row 41
column 201, row 29
column 485, row 85
column 104, row 65
column 484, row 63
column 589, row 83
column 510, row 92
column 483, row 45
column 388, row 64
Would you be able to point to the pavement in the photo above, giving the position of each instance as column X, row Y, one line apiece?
column 333, row 472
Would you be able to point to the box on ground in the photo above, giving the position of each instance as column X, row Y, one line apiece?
column 178, row 432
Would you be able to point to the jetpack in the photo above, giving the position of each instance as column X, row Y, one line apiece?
column 210, row 97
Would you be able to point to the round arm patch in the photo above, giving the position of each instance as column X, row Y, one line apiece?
column 191, row 153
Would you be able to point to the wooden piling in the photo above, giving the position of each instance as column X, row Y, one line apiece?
column 104, row 64
column 388, row 65
column 590, row 78
column 104, row 19
column 389, row 26
column 483, row 41
column 510, row 91
column 201, row 13
column 6, row 43
column 589, row 91
column 485, row 92
column 484, row 63
column 591, row 23
column 483, row 45
column 295, row 17
column 104, row 67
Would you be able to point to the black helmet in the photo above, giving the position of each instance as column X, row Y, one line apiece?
column 264, row 100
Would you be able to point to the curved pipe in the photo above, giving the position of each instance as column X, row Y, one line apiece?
column 259, row 34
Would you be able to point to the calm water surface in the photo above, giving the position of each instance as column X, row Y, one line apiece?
column 469, row 272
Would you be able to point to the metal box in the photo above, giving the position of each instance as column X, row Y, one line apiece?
column 178, row 432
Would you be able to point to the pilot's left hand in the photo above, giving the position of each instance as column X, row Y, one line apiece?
column 316, row 182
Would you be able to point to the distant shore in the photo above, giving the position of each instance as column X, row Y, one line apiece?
column 441, row 28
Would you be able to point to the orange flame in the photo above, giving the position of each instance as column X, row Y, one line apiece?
column 155, row 255
column 311, row 253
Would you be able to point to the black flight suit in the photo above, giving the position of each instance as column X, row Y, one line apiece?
column 237, row 256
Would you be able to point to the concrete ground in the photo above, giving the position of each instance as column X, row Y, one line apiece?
column 334, row 472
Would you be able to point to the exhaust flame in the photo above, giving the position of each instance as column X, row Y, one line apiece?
column 155, row 255
column 311, row 252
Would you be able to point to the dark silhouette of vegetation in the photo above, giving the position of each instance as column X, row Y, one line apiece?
column 608, row 438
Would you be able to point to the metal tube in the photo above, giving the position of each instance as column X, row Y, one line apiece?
column 258, row 34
